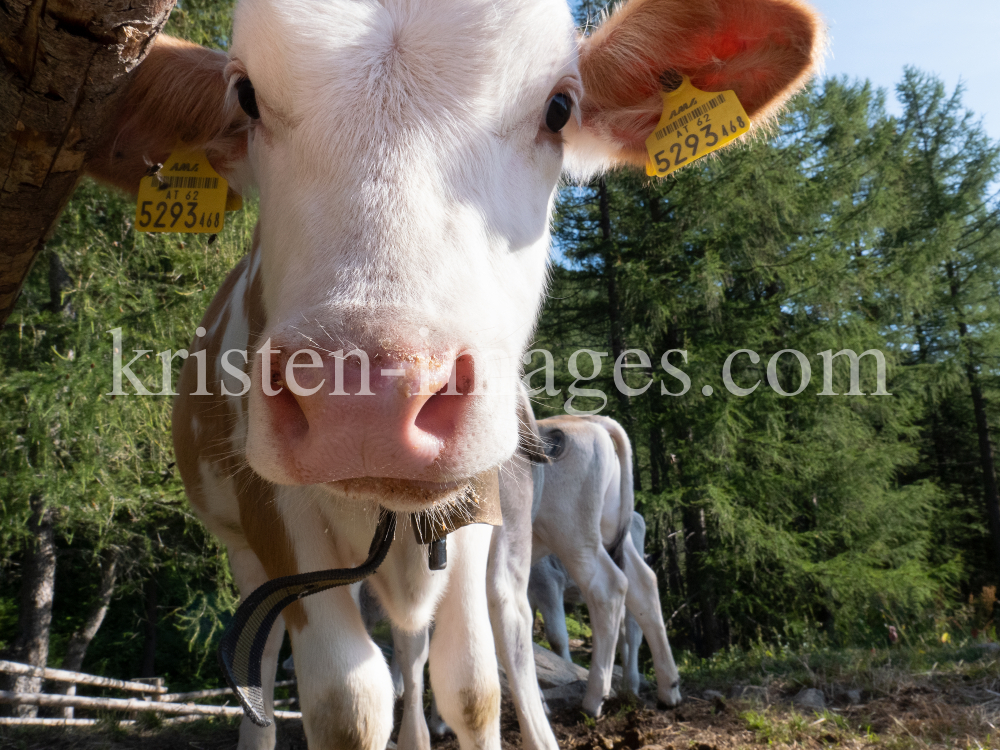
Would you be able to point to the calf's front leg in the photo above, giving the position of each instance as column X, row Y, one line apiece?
column 344, row 685
column 643, row 602
column 462, row 657
column 410, row 653
column 603, row 586
column 510, row 612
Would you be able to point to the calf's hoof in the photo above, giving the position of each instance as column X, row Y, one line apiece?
column 665, row 705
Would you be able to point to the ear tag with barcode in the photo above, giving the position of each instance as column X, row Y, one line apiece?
column 694, row 124
column 186, row 196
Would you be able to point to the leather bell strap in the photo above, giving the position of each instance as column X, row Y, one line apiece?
column 479, row 503
column 242, row 646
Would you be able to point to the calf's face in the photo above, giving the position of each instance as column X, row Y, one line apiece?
column 406, row 165
column 406, row 154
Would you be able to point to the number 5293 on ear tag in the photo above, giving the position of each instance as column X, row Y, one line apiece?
column 694, row 124
column 186, row 196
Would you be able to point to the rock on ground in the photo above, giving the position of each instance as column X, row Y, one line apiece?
column 565, row 696
column 553, row 671
column 810, row 698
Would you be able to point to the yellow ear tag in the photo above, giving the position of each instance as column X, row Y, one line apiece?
column 694, row 124
column 186, row 196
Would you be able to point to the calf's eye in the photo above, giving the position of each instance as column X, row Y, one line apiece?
column 557, row 115
column 247, row 98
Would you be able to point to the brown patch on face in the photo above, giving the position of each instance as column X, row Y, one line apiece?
column 215, row 420
column 261, row 524
column 480, row 710
column 267, row 535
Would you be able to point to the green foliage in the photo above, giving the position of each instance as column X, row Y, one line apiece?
column 205, row 22
column 104, row 463
column 813, row 507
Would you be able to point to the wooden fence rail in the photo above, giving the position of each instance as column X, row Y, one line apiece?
column 78, row 678
column 128, row 704
column 7, row 721
column 211, row 693
column 155, row 698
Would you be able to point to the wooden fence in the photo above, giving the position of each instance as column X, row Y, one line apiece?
column 154, row 697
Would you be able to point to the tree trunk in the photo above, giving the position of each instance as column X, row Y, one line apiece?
column 614, row 319
column 674, row 579
column 987, row 459
column 149, row 630
column 655, row 458
column 699, row 580
column 59, row 282
column 38, row 579
column 62, row 65
column 79, row 642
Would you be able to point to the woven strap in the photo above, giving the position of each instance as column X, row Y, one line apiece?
column 242, row 645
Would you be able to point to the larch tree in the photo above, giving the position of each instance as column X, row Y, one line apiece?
column 766, row 247
column 946, row 243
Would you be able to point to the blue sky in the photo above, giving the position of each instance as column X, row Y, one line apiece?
column 956, row 39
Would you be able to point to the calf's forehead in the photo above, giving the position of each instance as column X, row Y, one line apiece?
column 404, row 62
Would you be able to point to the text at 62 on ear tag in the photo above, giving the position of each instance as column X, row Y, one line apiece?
column 186, row 196
column 694, row 124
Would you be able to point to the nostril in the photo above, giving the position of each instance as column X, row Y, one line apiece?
column 289, row 419
column 465, row 374
column 286, row 411
column 442, row 412
column 276, row 369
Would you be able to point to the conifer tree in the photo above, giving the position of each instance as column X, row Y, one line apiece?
column 766, row 247
column 947, row 245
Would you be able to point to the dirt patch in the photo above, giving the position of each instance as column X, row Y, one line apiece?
column 936, row 716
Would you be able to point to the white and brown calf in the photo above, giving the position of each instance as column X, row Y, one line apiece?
column 406, row 154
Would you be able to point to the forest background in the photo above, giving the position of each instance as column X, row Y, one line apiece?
column 805, row 520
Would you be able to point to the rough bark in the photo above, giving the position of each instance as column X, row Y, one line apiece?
column 80, row 641
column 614, row 319
column 655, row 459
column 63, row 63
column 38, row 579
column 987, row 460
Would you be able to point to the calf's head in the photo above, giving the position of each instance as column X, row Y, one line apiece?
column 406, row 154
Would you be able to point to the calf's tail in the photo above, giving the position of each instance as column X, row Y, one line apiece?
column 623, row 447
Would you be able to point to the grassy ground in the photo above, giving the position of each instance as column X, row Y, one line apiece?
column 910, row 698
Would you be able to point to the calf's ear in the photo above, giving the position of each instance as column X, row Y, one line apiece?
column 177, row 96
column 764, row 50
